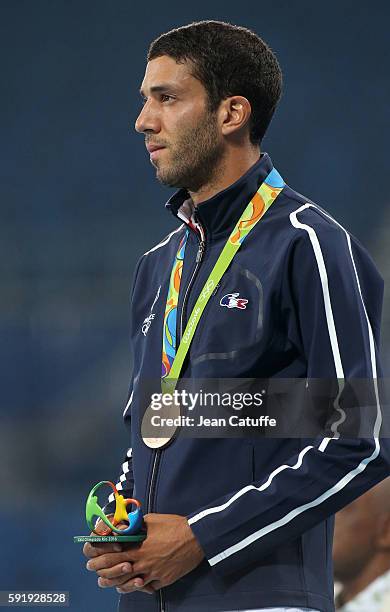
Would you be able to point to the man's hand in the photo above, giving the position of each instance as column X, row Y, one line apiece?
column 169, row 552
column 93, row 550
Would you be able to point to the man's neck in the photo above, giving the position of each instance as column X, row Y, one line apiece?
column 236, row 161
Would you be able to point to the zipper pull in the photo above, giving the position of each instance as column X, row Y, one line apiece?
column 200, row 252
column 215, row 290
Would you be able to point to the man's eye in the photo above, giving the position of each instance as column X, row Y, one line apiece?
column 166, row 98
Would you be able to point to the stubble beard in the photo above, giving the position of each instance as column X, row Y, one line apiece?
column 197, row 156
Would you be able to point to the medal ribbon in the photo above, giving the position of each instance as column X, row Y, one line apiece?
column 172, row 360
column 169, row 326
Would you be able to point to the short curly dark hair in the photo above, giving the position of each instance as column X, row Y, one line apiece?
column 228, row 60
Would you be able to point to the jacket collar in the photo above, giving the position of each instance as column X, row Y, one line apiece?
column 219, row 214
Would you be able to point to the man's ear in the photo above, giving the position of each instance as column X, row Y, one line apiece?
column 234, row 114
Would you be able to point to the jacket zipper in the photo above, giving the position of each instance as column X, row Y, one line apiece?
column 157, row 453
column 199, row 257
column 162, row 607
column 153, row 478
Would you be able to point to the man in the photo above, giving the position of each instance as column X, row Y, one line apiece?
column 361, row 552
column 238, row 524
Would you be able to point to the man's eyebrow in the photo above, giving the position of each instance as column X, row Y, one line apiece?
column 157, row 89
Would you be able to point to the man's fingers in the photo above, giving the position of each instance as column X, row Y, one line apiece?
column 155, row 585
column 105, row 583
column 91, row 550
column 117, row 571
column 139, row 583
column 135, row 584
column 146, row 589
column 106, row 561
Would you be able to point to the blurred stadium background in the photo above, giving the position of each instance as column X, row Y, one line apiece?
column 80, row 204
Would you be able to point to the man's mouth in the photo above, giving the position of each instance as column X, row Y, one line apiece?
column 154, row 147
column 154, row 150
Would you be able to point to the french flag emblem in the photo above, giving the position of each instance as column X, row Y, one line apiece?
column 231, row 300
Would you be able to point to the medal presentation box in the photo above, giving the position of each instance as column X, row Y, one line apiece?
column 126, row 526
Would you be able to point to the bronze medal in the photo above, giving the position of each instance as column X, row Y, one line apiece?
column 158, row 427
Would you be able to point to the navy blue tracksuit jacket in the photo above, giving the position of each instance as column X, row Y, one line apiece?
column 262, row 509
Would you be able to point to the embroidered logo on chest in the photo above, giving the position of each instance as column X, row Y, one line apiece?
column 231, row 300
column 148, row 321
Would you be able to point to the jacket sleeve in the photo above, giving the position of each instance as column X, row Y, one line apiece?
column 331, row 295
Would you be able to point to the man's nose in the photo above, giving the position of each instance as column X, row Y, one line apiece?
column 147, row 120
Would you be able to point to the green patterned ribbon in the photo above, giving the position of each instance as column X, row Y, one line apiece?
column 256, row 208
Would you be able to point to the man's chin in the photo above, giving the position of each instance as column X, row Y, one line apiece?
column 166, row 179
column 160, row 174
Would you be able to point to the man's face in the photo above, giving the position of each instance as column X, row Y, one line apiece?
column 181, row 134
